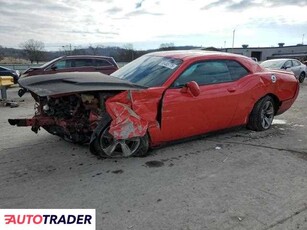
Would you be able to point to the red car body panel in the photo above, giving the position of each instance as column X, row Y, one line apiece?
column 179, row 108
column 169, row 113
column 219, row 106
column 134, row 112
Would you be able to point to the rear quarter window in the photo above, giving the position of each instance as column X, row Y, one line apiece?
column 102, row 63
column 296, row 63
column 83, row 62
column 236, row 70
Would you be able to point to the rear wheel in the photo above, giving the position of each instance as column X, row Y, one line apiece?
column 107, row 145
column 262, row 115
column 301, row 78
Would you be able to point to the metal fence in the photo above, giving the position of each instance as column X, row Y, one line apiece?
column 20, row 67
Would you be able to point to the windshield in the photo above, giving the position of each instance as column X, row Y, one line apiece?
column 274, row 64
column 148, row 70
column 49, row 62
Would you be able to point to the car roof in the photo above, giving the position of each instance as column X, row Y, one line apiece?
column 282, row 59
column 188, row 54
column 86, row 56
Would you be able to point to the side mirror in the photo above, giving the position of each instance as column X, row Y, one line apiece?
column 192, row 88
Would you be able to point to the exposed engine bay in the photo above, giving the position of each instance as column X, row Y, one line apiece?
column 72, row 117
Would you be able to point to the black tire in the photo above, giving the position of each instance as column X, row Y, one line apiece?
column 106, row 146
column 301, row 78
column 262, row 115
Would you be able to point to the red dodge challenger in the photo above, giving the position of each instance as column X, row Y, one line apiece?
column 157, row 98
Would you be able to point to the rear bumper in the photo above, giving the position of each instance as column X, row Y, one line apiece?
column 285, row 105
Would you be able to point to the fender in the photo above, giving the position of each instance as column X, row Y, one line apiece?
column 101, row 126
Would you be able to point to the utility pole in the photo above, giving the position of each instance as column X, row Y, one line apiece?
column 233, row 37
column 303, row 39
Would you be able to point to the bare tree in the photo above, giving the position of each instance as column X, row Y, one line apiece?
column 67, row 49
column 167, row 46
column 34, row 50
column 78, row 51
column 94, row 49
column 128, row 46
column 130, row 52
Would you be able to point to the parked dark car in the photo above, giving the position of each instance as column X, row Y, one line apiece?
column 157, row 98
column 10, row 72
column 76, row 63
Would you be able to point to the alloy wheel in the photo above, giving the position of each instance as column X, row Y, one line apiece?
column 267, row 114
column 118, row 148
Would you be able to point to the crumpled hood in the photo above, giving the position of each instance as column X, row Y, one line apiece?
column 73, row 82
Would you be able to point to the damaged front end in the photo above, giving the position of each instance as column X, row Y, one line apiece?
column 81, row 110
column 72, row 117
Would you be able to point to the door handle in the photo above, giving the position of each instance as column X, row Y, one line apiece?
column 231, row 90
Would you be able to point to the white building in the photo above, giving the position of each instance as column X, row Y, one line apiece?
column 263, row 53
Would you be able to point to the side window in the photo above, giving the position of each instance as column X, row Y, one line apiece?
column 83, row 62
column 288, row 64
column 204, row 73
column 296, row 63
column 60, row 64
column 236, row 70
column 102, row 63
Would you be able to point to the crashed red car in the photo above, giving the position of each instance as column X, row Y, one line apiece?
column 157, row 98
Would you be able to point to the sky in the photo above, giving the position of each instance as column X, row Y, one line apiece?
column 145, row 24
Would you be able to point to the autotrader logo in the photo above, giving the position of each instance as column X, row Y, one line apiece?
column 45, row 219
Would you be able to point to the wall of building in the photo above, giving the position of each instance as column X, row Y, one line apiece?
column 299, row 52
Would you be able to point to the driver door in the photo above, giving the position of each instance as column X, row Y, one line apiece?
column 184, row 115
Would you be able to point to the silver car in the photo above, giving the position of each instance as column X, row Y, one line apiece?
column 298, row 68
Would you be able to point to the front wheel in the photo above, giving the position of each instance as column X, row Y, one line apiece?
column 108, row 146
column 262, row 115
column 301, row 78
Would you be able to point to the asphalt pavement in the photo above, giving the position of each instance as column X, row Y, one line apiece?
column 239, row 179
